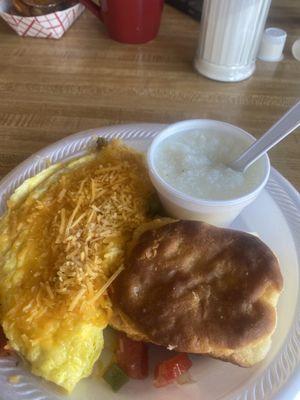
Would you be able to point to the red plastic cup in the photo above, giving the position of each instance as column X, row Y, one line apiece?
column 129, row 21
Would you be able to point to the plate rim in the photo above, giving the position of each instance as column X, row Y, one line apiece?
column 285, row 368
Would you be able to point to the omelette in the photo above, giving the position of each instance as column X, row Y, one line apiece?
column 62, row 243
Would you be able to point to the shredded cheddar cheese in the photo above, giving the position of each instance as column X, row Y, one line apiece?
column 14, row 379
column 70, row 237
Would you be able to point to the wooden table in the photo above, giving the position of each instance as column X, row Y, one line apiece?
column 50, row 89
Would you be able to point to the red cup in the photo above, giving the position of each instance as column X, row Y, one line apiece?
column 129, row 21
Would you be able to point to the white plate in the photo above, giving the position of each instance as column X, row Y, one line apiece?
column 275, row 216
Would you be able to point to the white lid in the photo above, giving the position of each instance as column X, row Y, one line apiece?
column 296, row 49
column 275, row 35
column 272, row 44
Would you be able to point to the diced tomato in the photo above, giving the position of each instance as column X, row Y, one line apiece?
column 168, row 371
column 132, row 357
column 3, row 344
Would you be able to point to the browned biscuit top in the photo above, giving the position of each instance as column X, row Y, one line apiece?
column 194, row 286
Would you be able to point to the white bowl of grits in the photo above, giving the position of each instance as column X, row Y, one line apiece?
column 188, row 165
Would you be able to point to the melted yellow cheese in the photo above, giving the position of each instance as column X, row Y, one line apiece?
column 62, row 243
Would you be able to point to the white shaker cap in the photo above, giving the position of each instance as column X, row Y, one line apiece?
column 272, row 44
column 296, row 49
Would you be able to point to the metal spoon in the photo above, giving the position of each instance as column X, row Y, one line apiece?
column 286, row 125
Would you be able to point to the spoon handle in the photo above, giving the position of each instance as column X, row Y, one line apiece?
column 287, row 123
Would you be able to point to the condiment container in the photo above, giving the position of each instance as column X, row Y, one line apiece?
column 230, row 35
column 183, row 206
column 272, row 45
column 296, row 49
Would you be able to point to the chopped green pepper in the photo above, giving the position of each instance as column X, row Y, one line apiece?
column 155, row 207
column 101, row 142
column 115, row 377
